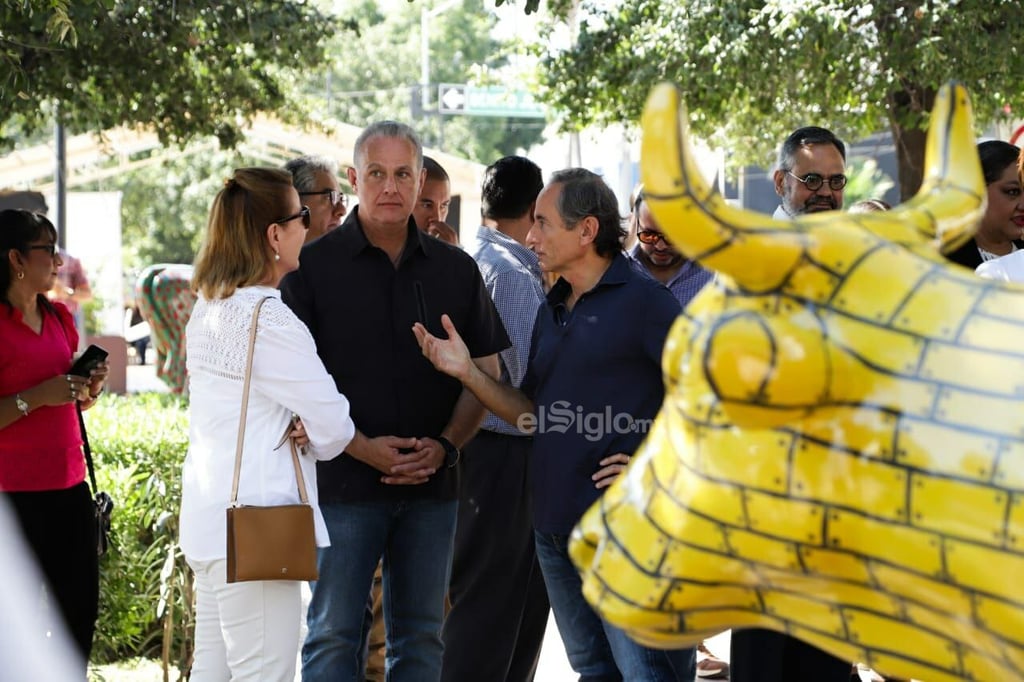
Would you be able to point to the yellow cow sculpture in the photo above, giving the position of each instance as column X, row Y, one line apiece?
column 840, row 455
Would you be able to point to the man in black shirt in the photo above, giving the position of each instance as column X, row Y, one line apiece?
column 392, row 494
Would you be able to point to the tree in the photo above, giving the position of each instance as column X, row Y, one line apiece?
column 189, row 69
column 380, row 79
column 753, row 70
column 165, row 206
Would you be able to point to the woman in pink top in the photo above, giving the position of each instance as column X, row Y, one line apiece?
column 42, row 469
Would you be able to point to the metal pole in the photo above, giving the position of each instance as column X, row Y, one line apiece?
column 425, row 16
column 424, row 59
column 60, row 178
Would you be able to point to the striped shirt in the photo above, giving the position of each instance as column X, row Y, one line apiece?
column 690, row 279
column 511, row 275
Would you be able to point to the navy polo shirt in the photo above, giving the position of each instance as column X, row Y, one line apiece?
column 360, row 309
column 595, row 378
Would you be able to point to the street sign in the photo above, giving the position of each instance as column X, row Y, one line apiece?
column 455, row 98
column 451, row 99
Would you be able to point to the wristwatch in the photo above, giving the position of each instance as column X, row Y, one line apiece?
column 21, row 404
column 451, row 453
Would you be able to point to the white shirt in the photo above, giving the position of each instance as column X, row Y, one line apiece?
column 287, row 376
column 1008, row 268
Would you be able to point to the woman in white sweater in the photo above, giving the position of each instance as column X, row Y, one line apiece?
column 250, row 630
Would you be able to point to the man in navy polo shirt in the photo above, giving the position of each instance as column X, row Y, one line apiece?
column 392, row 493
column 593, row 385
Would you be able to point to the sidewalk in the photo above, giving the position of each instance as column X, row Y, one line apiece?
column 142, row 378
column 554, row 666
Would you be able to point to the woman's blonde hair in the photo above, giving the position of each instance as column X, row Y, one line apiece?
column 235, row 252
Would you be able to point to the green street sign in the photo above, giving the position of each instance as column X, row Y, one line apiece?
column 469, row 100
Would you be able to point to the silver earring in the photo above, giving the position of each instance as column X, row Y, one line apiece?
column 21, row 275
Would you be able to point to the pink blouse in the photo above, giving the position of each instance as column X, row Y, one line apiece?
column 42, row 451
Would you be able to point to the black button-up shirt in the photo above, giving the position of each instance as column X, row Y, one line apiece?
column 360, row 309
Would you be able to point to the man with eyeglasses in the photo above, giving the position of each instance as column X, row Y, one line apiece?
column 809, row 178
column 314, row 179
column 810, row 173
column 653, row 255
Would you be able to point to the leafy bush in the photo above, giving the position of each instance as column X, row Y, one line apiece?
column 139, row 445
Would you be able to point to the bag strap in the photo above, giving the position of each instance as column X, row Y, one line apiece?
column 86, row 449
column 299, row 478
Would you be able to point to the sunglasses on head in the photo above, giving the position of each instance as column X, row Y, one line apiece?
column 334, row 196
column 303, row 213
column 814, row 181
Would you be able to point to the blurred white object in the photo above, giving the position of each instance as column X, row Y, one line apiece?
column 1008, row 268
column 30, row 649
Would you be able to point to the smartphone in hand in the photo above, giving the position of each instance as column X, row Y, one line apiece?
column 89, row 360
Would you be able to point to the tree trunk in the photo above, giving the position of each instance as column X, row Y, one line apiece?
column 913, row 103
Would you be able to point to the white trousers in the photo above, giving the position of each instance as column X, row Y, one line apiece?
column 245, row 632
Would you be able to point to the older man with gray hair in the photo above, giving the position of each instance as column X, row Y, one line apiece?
column 392, row 493
column 314, row 179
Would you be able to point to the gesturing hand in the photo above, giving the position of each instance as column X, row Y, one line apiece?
column 448, row 355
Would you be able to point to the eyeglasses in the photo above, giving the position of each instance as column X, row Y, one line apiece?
column 303, row 213
column 814, row 181
column 51, row 249
column 650, row 236
column 334, row 196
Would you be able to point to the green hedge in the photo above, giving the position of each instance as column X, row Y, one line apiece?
column 139, row 445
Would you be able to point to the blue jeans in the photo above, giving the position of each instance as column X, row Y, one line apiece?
column 597, row 650
column 414, row 537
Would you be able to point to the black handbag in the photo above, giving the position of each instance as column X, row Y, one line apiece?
column 104, row 505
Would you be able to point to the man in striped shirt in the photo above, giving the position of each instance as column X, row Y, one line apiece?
column 499, row 607
column 653, row 255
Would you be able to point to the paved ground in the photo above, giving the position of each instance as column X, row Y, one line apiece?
column 554, row 666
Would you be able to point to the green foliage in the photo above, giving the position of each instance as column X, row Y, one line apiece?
column 751, row 71
column 165, row 206
column 865, row 181
column 139, row 444
column 530, row 6
column 51, row 27
column 385, row 85
column 187, row 69
column 91, row 310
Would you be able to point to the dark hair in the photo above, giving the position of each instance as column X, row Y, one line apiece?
column 511, row 185
column 801, row 137
column 305, row 168
column 435, row 171
column 585, row 193
column 18, row 228
column 996, row 156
